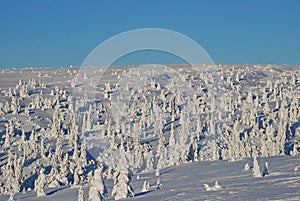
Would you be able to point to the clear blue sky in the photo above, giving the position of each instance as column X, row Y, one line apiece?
column 53, row 33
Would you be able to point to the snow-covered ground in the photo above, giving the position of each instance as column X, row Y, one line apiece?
column 176, row 132
column 186, row 182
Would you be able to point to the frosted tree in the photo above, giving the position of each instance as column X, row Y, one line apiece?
column 182, row 145
column 158, row 184
column 52, row 178
column 83, row 155
column 193, row 153
column 40, row 184
column 58, row 149
column 97, row 188
column 122, row 188
column 8, row 174
column 14, row 109
column 256, row 168
column 81, row 194
column 266, row 169
column 75, row 152
column 172, row 148
column 42, row 147
column 7, row 141
column 172, row 133
column 149, row 157
column 88, row 122
column 18, row 173
column 146, row 186
column 138, row 152
column 64, row 169
column 81, row 163
column 76, row 178
column 161, row 150
column 295, row 150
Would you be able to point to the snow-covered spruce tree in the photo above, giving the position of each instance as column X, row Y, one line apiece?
column 161, row 150
column 11, row 197
column 64, row 170
column 76, row 177
column 149, row 158
column 97, row 190
column 122, row 188
column 194, row 149
column 18, row 173
column 182, row 145
column 75, row 155
column 40, row 184
column 138, row 152
column 295, row 149
column 146, row 186
column 8, row 174
column 266, row 169
column 158, row 184
column 7, row 141
column 81, row 194
column 6, row 107
column 88, row 122
column 172, row 151
column 58, row 149
column 82, row 162
column 52, row 178
column 256, row 168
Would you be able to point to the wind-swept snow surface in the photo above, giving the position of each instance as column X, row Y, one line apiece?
column 186, row 182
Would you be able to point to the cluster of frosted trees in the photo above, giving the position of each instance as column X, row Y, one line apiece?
column 236, row 114
column 31, row 145
column 231, row 114
column 263, row 120
column 241, row 119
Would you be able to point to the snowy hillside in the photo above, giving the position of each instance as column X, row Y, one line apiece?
column 217, row 132
column 186, row 182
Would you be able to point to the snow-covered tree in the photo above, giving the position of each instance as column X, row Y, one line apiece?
column 40, row 184
column 122, row 188
column 64, row 169
column 146, row 186
column 158, row 184
column 266, row 169
column 256, row 168
column 97, row 190
column 81, row 194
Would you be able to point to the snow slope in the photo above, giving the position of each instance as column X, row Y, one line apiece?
column 186, row 182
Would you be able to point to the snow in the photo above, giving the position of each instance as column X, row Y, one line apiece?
column 187, row 182
column 217, row 132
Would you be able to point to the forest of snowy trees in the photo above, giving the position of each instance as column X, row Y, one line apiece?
column 55, row 135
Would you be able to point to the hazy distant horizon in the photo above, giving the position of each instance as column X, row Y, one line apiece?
column 166, row 64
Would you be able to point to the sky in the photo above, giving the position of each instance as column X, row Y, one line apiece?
column 55, row 33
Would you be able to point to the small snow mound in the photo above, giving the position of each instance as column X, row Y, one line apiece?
column 216, row 187
column 247, row 166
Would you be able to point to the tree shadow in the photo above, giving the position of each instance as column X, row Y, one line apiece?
column 166, row 171
column 143, row 193
column 56, row 190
